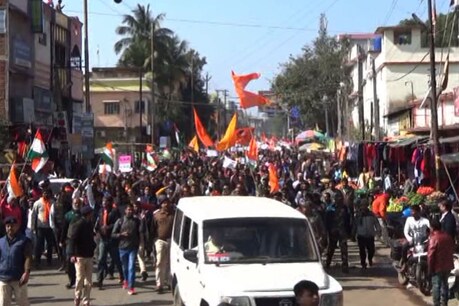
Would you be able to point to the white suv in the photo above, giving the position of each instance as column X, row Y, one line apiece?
column 245, row 251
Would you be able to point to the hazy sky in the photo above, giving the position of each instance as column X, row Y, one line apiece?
column 245, row 35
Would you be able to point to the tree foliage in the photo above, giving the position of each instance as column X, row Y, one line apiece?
column 316, row 73
column 177, row 68
column 445, row 23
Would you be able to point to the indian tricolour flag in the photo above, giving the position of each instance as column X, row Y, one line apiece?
column 108, row 155
column 38, row 154
column 13, row 187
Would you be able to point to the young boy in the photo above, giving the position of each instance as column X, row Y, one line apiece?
column 306, row 293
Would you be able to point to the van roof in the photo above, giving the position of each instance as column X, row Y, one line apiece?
column 224, row 207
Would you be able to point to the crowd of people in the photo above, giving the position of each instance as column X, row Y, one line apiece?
column 125, row 219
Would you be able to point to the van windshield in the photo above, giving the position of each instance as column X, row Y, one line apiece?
column 258, row 240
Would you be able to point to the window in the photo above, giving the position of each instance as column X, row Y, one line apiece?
column 42, row 39
column 194, row 236
column 185, row 240
column 111, row 108
column 177, row 226
column 2, row 21
column 136, row 107
column 258, row 240
column 75, row 58
column 402, row 37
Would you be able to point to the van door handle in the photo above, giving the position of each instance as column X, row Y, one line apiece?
column 188, row 268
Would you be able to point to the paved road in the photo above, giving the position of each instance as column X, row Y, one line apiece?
column 376, row 286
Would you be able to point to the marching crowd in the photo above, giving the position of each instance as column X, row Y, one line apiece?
column 125, row 219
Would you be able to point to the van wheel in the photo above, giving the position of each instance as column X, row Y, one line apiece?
column 177, row 298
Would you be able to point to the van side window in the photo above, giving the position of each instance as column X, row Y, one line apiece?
column 194, row 236
column 177, row 226
column 185, row 240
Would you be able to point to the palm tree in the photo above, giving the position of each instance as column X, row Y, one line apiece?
column 135, row 30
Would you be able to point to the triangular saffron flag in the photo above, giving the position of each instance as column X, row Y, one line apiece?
column 194, row 144
column 229, row 139
column 13, row 186
column 108, row 156
column 273, row 179
column 201, row 131
column 248, row 99
column 252, row 152
column 38, row 154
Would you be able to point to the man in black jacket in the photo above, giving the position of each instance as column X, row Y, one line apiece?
column 447, row 220
column 128, row 230
column 107, row 245
column 81, row 251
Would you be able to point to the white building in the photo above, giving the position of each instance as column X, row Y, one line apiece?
column 402, row 65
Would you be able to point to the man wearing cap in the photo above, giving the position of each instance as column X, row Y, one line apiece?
column 163, row 221
column 15, row 262
column 81, row 251
column 41, row 215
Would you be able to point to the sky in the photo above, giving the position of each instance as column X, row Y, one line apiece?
column 244, row 35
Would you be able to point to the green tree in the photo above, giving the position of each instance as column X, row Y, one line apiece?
column 176, row 69
column 445, row 28
column 306, row 79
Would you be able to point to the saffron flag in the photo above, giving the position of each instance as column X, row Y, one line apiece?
column 38, row 154
column 244, row 135
column 201, row 131
column 273, row 179
column 248, row 99
column 252, row 152
column 194, row 144
column 108, row 156
column 229, row 139
column 13, row 186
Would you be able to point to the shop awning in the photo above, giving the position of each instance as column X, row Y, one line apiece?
column 453, row 139
column 409, row 141
column 448, row 159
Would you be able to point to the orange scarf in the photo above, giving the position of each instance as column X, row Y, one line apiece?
column 46, row 209
column 105, row 217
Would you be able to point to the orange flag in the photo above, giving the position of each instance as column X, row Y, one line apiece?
column 247, row 98
column 273, row 180
column 201, row 131
column 252, row 152
column 229, row 139
column 244, row 135
column 194, row 144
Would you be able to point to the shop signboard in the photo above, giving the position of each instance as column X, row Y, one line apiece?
column 22, row 53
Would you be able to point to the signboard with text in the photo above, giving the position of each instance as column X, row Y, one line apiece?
column 124, row 163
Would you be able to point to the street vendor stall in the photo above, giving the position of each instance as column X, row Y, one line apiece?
column 450, row 160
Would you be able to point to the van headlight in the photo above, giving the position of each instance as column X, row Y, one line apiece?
column 237, row 300
column 333, row 299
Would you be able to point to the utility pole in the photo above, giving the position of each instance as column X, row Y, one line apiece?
column 339, row 111
column 206, row 80
column 376, row 102
column 325, row 105
column 225, row 94
column 433, row 99
column 87, row 92
column 153, row 102
column 360, row 93
column 140, row 104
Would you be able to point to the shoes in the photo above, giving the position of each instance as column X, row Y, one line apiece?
column 131, row 291
column 159, row 290
column 144, row 275
column 61, row 268
column 370, row 262
column 121, row 281
column 77, row 302
column 110, row 276
column 364, row 265
column 125, row 284
column 69, row 286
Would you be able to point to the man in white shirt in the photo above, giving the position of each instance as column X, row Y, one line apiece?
column 415, row 230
